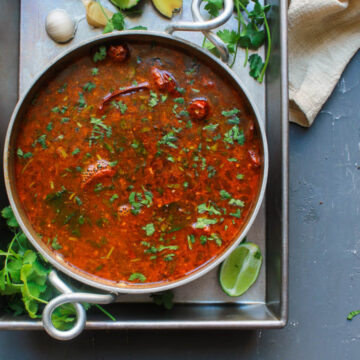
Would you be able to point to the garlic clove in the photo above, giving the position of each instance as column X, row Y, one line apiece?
column 95, row 15
column 60, row 26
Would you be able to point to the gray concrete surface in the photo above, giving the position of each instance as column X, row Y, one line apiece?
column 324, row 249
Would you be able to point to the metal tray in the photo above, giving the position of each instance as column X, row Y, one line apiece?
column 200, row 304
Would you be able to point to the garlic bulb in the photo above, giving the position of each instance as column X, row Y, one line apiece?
column 60, row 26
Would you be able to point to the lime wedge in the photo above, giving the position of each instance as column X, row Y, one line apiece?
column 241, row 269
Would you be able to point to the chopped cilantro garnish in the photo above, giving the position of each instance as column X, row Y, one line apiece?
column 230, row 112
column 49, row 126
column 179, row 100
column 113, row 198
column 208, row 208
column 169, row 257
column 153, row 100
column 76, row 151
column 237, row 214
column 224, row 195
column 236, row 202
column 202, row 222
column 55, row 244
column 81, row 102
column 235, row 135
column 149, row 229
column 59, row 110
column 89, row 86
column 137, row 276
column 210, row 127
column 137, row 200
column 239, row 176
column 78, row 200
column 183, row 113
column 168, row 140
column 211, row 171
column 23, row 155
column 94, row 71
column 40, row 140
column 100, row 54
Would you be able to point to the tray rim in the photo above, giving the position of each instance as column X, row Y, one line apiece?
column 273, row 321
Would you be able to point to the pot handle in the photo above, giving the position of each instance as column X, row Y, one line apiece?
column 205, row 26
column 68, row 296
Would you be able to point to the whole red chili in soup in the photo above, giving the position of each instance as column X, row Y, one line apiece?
column 130, row 178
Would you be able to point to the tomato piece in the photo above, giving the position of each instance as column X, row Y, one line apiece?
column 118, row 53
column 96, row 171
column 199, row 108
column 164, row 80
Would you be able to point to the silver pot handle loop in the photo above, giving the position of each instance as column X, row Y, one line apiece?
column 206, row 25
column 75, row 299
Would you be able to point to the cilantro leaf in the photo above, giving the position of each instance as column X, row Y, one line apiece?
column 100, row 54
column 8, row 214
column 213, row 7
column 203, row 222
column 164, row 299
column 256, row 66
column 149, row 229
column 251, row 38
column 117, row 22
column 137, row 276
column 230, row 38
column 224, row 195
column 139, row 28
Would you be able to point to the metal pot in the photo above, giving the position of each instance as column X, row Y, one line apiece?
column 10, row 152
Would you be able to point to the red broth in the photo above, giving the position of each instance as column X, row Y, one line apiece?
column 145, row 189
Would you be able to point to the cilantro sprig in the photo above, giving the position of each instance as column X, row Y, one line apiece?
column 252, row 32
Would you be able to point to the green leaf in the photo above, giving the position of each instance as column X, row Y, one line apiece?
column 8, row 214
column 256, row 66
column 149, row 229
column 118, row 21
column 230, row 38
column 224, row 195
column 139, row 28
column 64, row 317
column 251, row 38
column 353, row 314
column 100, row 54
column 203, row 222
column 213, row 7
column 164, row 299
column 137, row 276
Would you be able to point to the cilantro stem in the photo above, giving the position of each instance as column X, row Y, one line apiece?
column 268, row 49
column 246, row 56
column 7, row 256
column 240, row 22
column 105, row 312
column 204, row 41
column 103, row 11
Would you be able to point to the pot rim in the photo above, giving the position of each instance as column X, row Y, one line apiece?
column 90, row 279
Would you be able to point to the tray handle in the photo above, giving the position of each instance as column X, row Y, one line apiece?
column 200, row 24
column 68, row 296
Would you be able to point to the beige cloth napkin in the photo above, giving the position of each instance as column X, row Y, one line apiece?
column 323, row 36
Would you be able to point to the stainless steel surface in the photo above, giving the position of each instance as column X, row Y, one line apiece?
column 206, row 26
column 200, row 304
column 75, row 298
